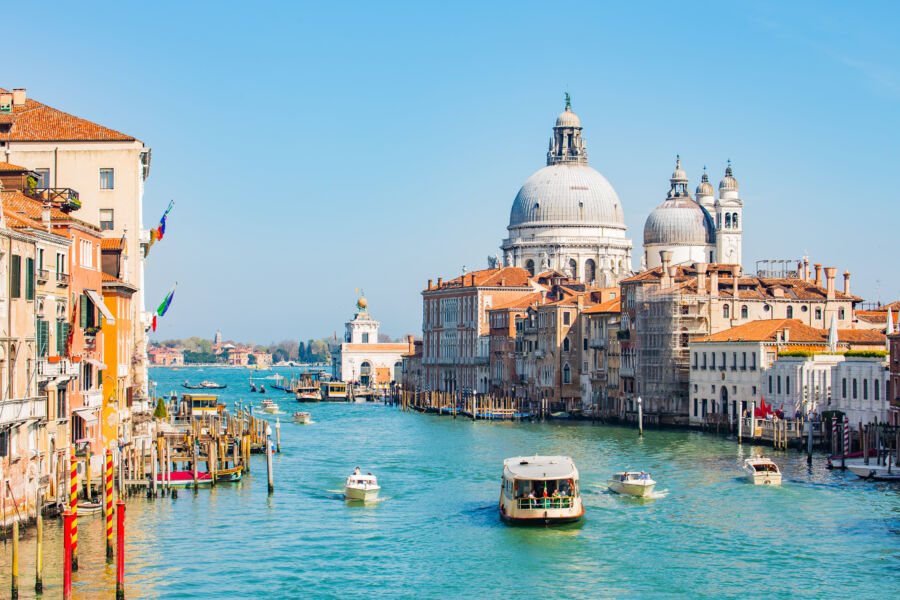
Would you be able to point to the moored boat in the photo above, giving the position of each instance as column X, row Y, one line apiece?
column 229, row 475
column 308, row 394
column 631, row 483
column 185, row 478
column 304, row 418
column 762, row 471
column 540, row 490
column 262, row 389
column 204, row 385
column 873, row 470
column 89, row 508
column 361, row 487
column 334, row 391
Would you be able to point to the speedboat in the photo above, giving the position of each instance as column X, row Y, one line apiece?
column 540, row 490
column 873, row 470
column 204, row 385
column 631, row 483
column 304, row 418
column 269, row 406
column 762, row 471
column 361, row 487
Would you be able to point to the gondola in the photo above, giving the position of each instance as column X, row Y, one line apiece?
column 204, row 385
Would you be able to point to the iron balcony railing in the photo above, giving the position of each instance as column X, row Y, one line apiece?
column 545, row 503
column 66, row 199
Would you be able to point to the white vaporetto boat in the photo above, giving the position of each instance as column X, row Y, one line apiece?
column 762, row 471
column 541, row 490
column 361, row 487
column 631, row 483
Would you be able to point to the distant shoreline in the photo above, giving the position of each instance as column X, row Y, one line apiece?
column 253, row 368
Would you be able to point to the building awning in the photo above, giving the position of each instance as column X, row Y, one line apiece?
column 98, row 302
column 95, row 363
column 88, row 415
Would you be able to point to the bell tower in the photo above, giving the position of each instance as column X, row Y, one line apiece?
column 729, row 220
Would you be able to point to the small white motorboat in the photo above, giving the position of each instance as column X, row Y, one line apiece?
column 361, row 487
column 631, row 483
column 269, row 406
column 304, row 418
column 762, row 471
column 873, row 470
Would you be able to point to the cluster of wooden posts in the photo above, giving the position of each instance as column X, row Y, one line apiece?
column 883, row 441
column 480, row 406
column 222, row 441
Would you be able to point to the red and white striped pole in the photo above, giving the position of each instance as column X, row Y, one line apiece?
column 834, row 436
column 73, row 508
column 109, row 506
column 68, row 519
column 120, row 547
column 846, row 435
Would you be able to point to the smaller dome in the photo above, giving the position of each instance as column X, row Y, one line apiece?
column 568, row 119
column 705, row 188
column 728, row 182
column 678, row 175
column 679, row 221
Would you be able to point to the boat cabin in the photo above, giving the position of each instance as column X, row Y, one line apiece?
column 540, row 488
column 199, row 405
column 335, row 390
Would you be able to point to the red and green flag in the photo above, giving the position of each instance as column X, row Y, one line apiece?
column 164, row 306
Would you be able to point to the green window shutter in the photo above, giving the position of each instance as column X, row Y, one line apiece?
column 60, row 342
column 15, row 276
column 43, row 334
column 83, row 310
column 63, row 338
column 29, row 279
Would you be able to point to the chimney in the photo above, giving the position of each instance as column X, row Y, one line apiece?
column 847, row 282
column 503, row 282
column 818, row 279
column 45, row 216
column 735, row 278
column 701, row 277
column 6, row 99
column 787, row 335
column 440, row 281
column 830, row 273
column 19, row 97
column 580, row 302
column 412, row 344
column 429, row 284
column 714, row 283
column 805, row 269
column 665, row 257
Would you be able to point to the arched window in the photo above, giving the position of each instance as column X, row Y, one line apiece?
column 727, row 220
column 790, row 312
column 734, row 220
column 565, row 344
column 365, row 372
column 725, row 311
column 529, row 266
column 745, row 312
column 581, row 211
column 567, row 374
column 841, row 314
column 537, row 212
column 590, row 271
column 573, row 268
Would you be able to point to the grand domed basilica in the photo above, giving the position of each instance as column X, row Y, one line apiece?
column 567, row 216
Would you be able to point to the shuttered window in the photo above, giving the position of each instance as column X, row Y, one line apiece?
column 83, row 308
column 15, row 276
column 43, row 338
column 62, row 334
column 29, row 279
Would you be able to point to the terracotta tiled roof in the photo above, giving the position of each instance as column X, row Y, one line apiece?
column 610, row 306
column 112, row 243
column 9, row 167
column 767, row 330
column 18, row 203
column 38, row 122
column 749, row 287
column 505, row 276
column 519, row 303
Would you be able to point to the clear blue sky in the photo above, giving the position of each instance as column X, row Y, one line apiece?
column 313, row 149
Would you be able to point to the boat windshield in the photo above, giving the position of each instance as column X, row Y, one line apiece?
column 765, row 468
column 553, row 488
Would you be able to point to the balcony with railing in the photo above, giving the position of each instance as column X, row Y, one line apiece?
column 598, row 343
column 62, row 279
column 60, row 368
column 21, row 410
column 544, row 503
column 42, row 275
column 65, row 199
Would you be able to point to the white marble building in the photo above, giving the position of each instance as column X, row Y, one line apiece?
column 707, row 229
column 363, row 358
column 567, row 216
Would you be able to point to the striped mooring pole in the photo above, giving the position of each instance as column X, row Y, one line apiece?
column 846, row 435
column 73, row 508
column 834, row 436
column 109, row 506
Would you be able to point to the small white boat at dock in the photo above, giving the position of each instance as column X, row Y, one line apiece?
column 762, row 471
column 361, row 487
column 540, row 490
column 631, row 483
column 873, row 470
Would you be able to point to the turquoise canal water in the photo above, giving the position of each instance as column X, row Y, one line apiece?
column 436, row 532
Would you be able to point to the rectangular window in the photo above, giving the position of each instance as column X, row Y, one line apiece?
column 704, row 361
column 365, row 338
column 712, row 360
column 43, row 338
column 855, row 396
column 585, row 343
column 865, row 389
column 106, row 179
column 743, row 361
column 787, row 385
column 40, row 258
column 778, row 383
column 770, row 384
column 754, row 390
column 566, row 318
column 106, row 219
column 29, row 279
column 734, row 361
column 695, row 407
column 61, row 403
column 87, row 252
column 844, row 387
column 15, row 276
column 723, row 361
column 43, row 178
column 62, row 334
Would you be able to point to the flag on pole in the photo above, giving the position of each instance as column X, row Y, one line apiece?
column 157, row 233
column 164, row 306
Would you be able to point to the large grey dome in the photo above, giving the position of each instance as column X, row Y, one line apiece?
column 570, row 193
column 679, row 221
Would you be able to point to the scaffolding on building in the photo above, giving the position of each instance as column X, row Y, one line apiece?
column 665, row 323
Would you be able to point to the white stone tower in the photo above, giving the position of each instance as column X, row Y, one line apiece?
column 729, row 220
column 363, row 329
